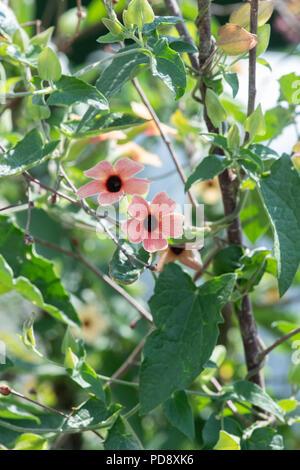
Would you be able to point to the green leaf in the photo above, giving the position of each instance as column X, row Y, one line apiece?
column 31, row 275
column 30, row 442
column 263, row 33
column 108, row 38
column 216, row 360
column 289, row 86
column 255, row 123
column 263, row 439
column 288, row 405
column 167, row 65
column 246, row 154
column 120, row 70
column 71, row 90
column 254, row 218
column 120, row 268
column 114, row 27
column 234, row 138
column 49, row 67
column 180, row 414
column 207, row 169
column 227, row 259
column 92, row 413
column 227, row 442
column 161, row 21
column 43, row 38
column 187, row 320
column 233, row 81
column 264, row 62
column 29, row 152
column 281, row 196
column 215, row 110
column 276, row 120
column 119, row 438
column 244, row 391
column 85, row 376
column 139, row 12
column 212, row 428
column 181, row 46
column 100, row 125
column 10, row 411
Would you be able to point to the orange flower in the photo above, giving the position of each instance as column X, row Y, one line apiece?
column 151, row 128
column 113, row 135
column 140, row 155
column 209, row 191
column 190, row 258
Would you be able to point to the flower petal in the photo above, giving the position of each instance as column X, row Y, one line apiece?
column 106, row 198
column 140, row 155
column 166, row 257
column 100, row 171
column 113, row 135
column 191, row 259
column 153, row 245
column 136, row 186
column 126, row 168
column 138, row 208
column 90, row 189
column 134, row 229
column 162, row 204
column 172, row 225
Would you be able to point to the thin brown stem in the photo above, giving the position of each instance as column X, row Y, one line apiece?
column 165, row 138
column 252, row 59
column 229, row 403
column 278, row 342
column 130, row 361
column 174, row 10
column 77, row 256
column 45, row 407
column 27, row 237
column 11, row 206
column 206, row 264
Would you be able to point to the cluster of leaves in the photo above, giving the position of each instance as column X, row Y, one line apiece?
column 180, row 355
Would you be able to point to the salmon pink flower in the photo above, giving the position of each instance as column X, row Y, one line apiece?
column 111, row 182
column 153, row 223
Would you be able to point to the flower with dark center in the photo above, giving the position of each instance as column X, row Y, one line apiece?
column 177, row 250
column 190, row 258
column 150, row 223
column 112, row 182
column 153, row 223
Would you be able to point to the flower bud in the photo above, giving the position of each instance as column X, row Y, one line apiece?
column 5, row 390
column 125, row 20
column 235, row 40
column 139, row 13
column 114, row 27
